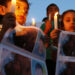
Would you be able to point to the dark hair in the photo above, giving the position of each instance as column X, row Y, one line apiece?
column 51, row 6
column 4, row 2
column 44, row 19
column 38, row 66
column 9, row 21
column 64, row 13
column 26, row 2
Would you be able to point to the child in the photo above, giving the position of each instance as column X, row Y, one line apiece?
column 21, row 11
column 47, row 28
column 51, row 10
column 5, row 6
column 68, row 23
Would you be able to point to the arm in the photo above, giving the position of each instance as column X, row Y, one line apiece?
column 48, row 26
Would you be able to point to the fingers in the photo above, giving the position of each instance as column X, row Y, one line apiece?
column 55, row 34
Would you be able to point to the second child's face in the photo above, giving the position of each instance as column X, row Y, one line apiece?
column 52, row 11
column 21, row 12
column 69, row 21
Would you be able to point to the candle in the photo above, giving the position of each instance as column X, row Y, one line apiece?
column 49, row 17
column 13, row 5
column 33, row 22
column 56, row 21
column 0, row 27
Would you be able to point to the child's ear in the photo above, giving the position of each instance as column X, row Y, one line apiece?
column 2, row 10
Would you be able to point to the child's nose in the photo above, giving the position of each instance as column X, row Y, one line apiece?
column 23, row 11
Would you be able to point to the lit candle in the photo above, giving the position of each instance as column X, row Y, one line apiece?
column 13, row 5
column 56, row 21
column 49, row 17
column 33, row 22
column 0, row 27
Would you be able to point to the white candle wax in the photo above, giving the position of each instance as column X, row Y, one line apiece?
column 56, row 21
column 13, row 5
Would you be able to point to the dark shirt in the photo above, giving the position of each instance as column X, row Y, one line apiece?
column 1, row 17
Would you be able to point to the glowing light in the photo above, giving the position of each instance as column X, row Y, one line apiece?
column 56, row 21
column 33, row 22
column 13, row 6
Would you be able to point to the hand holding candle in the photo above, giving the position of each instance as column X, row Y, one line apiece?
column 13, row 6
column 56, row 21
column 33, row 22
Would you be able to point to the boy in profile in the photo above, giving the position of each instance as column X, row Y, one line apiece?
column 21, row 11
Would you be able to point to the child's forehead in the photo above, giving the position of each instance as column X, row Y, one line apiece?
column 21, row 3
column 70, row 13
column 53, row 7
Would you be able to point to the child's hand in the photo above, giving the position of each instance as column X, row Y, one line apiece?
column 48, row 26
column 55, row 34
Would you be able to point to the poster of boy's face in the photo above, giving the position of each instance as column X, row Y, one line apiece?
column 12, row 63
column 66, row 68
column 38, row 68
column 67, row 44
column 39, row 48
column 66, row 54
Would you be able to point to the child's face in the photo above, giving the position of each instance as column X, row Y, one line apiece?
column 52, row 11
column 8, row 8
column 21, row 12
column 4, row 10
column 69, row 21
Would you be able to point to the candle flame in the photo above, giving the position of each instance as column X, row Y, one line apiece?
column 56, row 13
column 13, row 1
column 33, row 21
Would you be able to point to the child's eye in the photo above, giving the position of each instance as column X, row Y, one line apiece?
column 17, row 7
